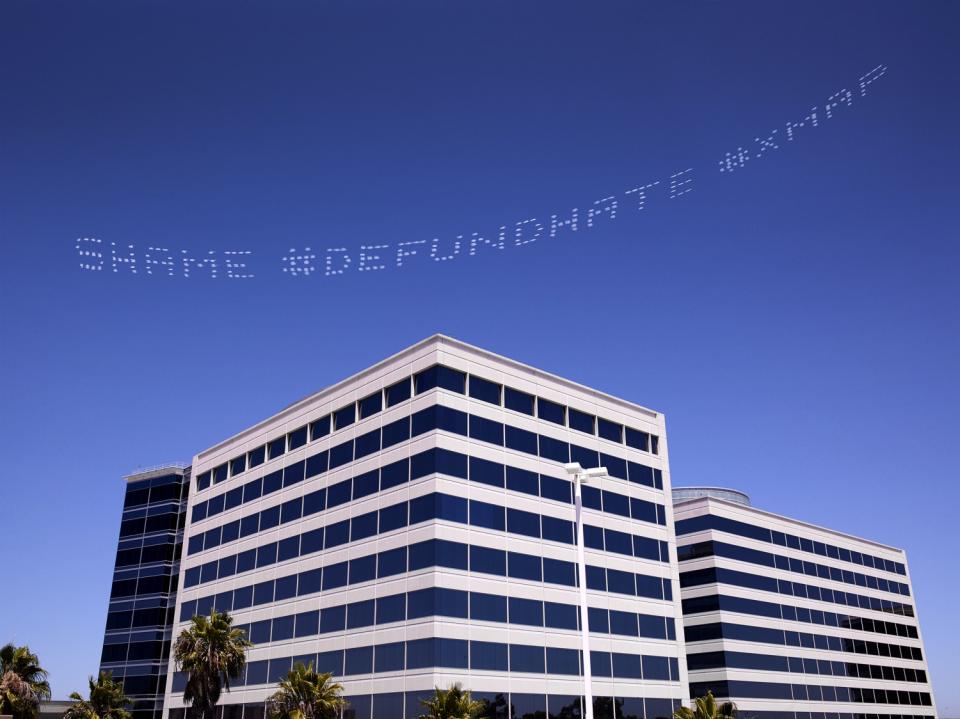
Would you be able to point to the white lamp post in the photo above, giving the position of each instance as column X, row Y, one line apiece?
column 581, row 476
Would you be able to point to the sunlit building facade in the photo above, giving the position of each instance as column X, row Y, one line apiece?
column 795, row 621
column 412, row 526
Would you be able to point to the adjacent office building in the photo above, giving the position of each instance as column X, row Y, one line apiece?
column 136, row 643
column 795, row 621
column 413, row 526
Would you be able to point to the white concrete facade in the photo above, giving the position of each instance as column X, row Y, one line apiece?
column 395, row 684
column 732, row 644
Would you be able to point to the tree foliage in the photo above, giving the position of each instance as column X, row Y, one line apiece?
column 306, row 694
column 106, row 701
column 23, row 682
column 212, row 652
column 454, row 702
column 706, row 707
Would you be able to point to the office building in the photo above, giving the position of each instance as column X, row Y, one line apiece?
column 794, row 621
column 136, row 642
column 412, row 526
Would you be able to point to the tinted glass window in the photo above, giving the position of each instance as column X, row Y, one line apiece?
column 339, row 493
column 220, row 473
column 238, row 465
column 491, row 656
column 524, row 566
column 391, row 609
column 488, row 561
column 282, row 628
column 393, row 517
column 371, row 405
column 297, row 438
column 616, row 467
column 551, row 411
column 393, row 474
column 344, row 416
column 333, row 619
column 293, row 473
column 637, row 439
column 488, row 607
column 486, row 515
column 581, row 421
column 486, row 430
column 560, row 616
column 389, row 657
column 320, row 428
column 341, row 454
column 586, row 457
column 363, row 569
column 521, row 480
column 276, row 447
column 398, row 392
column 555, row 449
column 363, row 526
column 252, row 490
column 484, row 390
column 360, row 614
column 640, row 474
column 486, row 472
column 256, row 456
column 314, row 502
column 442, row 377
column 558, row 571
column 309, row 582
column 521, row 440
column 392, row 561
column 557, row 530
column 366, row 484
column 518, row 401
column 307, row 624
column 557, row 489
column 337, row 534
column 334, row 575
column 563, row 661
column 359, row 660
column 246, row 560
column 367, row 444
column 396, row 432
column 234, row 498
column 609, row 430
column 527, row 659
column 522, row 522
column 526, row 611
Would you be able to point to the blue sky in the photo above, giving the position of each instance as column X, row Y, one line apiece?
column 796, row 320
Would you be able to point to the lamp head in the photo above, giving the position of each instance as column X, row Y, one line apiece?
column 595, row 472
column 573, row 468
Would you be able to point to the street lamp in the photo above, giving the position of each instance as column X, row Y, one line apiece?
column 582, row 476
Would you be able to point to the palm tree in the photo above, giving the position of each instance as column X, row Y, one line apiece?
column 17, row 698
column 107, row 700
column 23, row 682
column 212, row 652
column 454, row 702
column 706, row 707
column 305, row 694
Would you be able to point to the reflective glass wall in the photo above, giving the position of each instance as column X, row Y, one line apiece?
column 136, row 643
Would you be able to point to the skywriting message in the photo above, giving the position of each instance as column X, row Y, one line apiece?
column 99, row 255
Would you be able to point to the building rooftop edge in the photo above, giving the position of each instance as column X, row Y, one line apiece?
column 792, row 520
column 156, row 471
column 439, row 340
